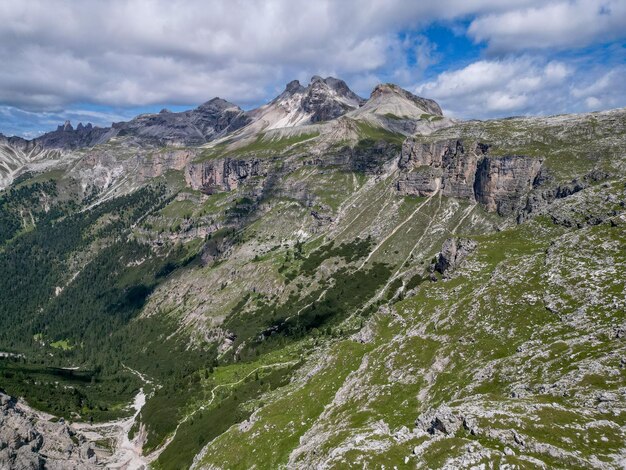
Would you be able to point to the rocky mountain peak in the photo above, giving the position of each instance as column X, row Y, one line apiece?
column 385, row 88
column 66, row 126
column 390, row 91
column 389, row 99
column 322, row 100
column 193, row 127
column 329, row 98
column 294, row 86
column 84, row 127
column 217, row 104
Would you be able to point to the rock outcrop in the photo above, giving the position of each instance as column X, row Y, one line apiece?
column 501, row 182
column 541, row 197
column 329, row 98
column 157, row 164
column 453, row 252
column 442, row 420
column 222, row 174
column 29, row 442
column 466, row 170
column 66, row 137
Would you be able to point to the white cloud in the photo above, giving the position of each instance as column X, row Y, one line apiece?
column 122, row 53
column 138, row 52
column 605, row 89
column 592, row 102
column 562, row 24
column 522, row 85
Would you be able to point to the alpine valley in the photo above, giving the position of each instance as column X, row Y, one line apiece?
column 325, row 281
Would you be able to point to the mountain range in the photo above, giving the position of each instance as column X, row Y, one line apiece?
column 325, row 281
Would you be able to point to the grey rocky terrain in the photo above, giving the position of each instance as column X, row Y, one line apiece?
column 33, row 441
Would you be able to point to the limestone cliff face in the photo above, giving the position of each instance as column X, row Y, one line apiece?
column 459, row 166
column 500, row 182
column 466, row 170
column 103, row 167
column 222, row 174
column 422, row 181
column 157, row 164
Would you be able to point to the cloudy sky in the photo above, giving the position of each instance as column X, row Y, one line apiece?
column 102, row 61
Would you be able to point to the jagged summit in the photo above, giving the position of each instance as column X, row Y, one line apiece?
column 294, row 86
column 82, row 127
column 322, row 100
column 66, row 126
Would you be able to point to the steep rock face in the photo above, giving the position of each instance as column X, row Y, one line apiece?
column 466, row 170
column 367, row 159
column 422, row 181
column 157, row 164
column 222, row 174
column 371, row 159
column 500, row 182
column 416, row 153
column 329, row 98
column 453, row 252
column 28, row 442
column 450, row 164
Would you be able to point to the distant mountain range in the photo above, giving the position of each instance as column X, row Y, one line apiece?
column 322, row 100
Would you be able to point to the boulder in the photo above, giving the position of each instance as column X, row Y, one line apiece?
column 453, row 252
column 442, row 420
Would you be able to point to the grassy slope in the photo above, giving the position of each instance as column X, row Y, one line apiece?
column 261, row 146
column 468, row 342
